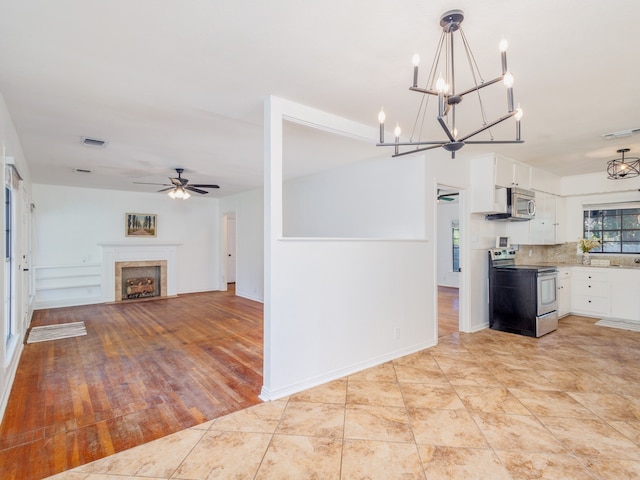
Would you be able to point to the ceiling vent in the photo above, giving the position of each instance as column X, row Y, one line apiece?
column 93, row 142
column 620, row 134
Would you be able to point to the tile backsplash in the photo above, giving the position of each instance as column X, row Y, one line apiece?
column 567, row 254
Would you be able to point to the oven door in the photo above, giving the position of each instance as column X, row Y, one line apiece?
column 547, row 288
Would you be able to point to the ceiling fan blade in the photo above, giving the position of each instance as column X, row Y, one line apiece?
column 193, row 189
column 166, row 189
column 148, row 183
column 177, row 181
column 204, row 185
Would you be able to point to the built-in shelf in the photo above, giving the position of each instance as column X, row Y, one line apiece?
column 70, row 284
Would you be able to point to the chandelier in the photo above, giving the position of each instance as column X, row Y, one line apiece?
column 444, row 88
column 618, row 168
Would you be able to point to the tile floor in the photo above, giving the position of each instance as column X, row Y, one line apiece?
column 487, row 405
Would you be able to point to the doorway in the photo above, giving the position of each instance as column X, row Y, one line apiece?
column 448, row 214
column 230, row 248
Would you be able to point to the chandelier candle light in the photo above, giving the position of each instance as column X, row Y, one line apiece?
column 444, row 88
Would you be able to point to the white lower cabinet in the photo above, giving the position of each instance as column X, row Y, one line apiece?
column 606, row 292
column 625, row 294
column 564, row 291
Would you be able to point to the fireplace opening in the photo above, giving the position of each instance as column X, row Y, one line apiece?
column 141, row 282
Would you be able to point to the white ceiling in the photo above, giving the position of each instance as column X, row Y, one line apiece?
column 182, row 83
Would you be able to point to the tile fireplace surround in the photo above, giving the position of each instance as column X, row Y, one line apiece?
column 116, row 255
column 118, row 295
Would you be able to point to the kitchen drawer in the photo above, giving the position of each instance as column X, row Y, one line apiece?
column 590, row 287
column 590, row 305
column 588, row 274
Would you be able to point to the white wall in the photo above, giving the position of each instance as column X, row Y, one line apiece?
column 249, row 212
column 336, row 306
column 377, row 198
column 71, row 222
column 22, row 307
column 593, row 188
column 448, row 212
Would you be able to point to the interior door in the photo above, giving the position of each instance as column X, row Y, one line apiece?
column 231, row 249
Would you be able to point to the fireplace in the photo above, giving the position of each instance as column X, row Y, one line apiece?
column 144, row 266
column 134, row 280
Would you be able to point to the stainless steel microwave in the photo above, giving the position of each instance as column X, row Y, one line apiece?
column 521, row 203
column 521, row 206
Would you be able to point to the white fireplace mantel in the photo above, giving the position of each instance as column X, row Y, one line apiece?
column 113, row 252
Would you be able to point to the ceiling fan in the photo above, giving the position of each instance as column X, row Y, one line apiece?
column 179, row 185
column 447, row 197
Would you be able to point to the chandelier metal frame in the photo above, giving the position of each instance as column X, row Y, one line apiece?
column 621, row 168
column 444, row 88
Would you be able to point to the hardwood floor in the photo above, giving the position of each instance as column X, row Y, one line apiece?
column 144, row 370
column 448, row 311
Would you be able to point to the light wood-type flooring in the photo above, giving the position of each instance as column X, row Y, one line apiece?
column 448, row 311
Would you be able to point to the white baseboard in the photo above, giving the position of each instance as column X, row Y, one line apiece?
column 268, row 395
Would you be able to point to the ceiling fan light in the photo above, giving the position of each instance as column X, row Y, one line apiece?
column 172, row 193
column 185, row 195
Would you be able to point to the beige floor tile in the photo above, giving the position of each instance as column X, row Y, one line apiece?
column 449, row 428
column 543, row 466
column 592, row 438
column 418, row 395
column 100, row 476
column 419, row 374
column 490, row 400
column 609, row 406
column 261, row 418
column 421, row 359
column 203, row 426
column 370, row 460
column 523, row 378
column 380, row 373
column 517, row 433
column 613, row 468
column 630, row 429
column 299, row 457
column 372, row 422
column 312, row 419
column 159, row 458
column 472, row 376
column 550, row 403
column 331, row 392
column 446, row 463
column 69, row 475
column 227, row 455
column 374, row 393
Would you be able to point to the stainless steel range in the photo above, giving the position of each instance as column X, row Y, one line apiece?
column 522, row 298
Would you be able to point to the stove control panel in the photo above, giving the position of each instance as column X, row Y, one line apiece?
column 502, row 253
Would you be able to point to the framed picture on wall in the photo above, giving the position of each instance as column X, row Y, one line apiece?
column 141, row 225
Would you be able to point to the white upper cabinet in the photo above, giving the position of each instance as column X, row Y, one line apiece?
column 510, row 173
column 543, row 181
column 490, row 175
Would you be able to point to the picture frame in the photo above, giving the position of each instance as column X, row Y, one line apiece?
column 141, row 224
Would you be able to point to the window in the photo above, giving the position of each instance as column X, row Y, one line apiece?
column 617, row 229
column 8, row 264
column 455, row 241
